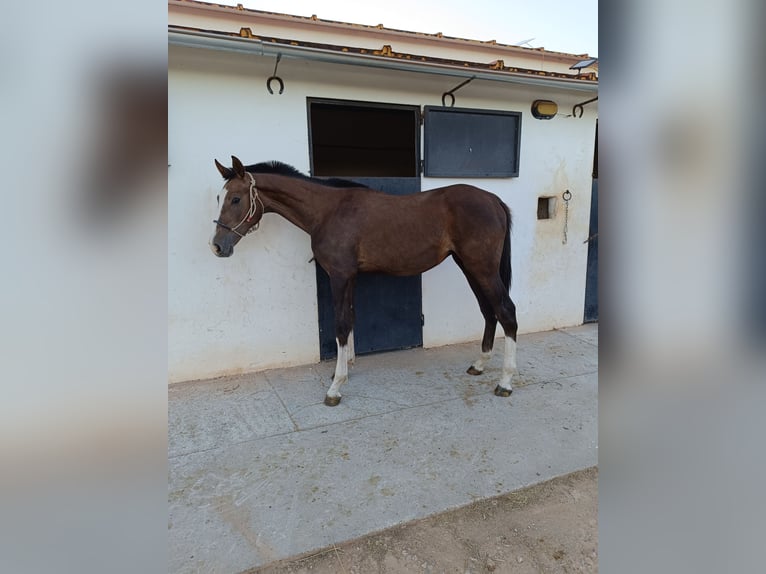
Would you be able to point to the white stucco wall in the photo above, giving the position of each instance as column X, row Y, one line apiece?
column 258, row 309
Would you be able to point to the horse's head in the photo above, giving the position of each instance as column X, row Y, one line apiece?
column 240, row 208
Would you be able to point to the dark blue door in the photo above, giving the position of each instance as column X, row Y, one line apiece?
column 591, row 278
column 591, row 274
column 388, row 309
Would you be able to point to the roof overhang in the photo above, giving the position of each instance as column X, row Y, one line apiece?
column 246, row 43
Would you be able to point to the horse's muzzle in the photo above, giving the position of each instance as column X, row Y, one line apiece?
column 222, row 251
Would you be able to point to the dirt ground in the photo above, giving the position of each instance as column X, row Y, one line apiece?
column 549, row 527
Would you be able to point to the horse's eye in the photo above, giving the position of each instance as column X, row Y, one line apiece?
column 218, row 199
column 235, row 200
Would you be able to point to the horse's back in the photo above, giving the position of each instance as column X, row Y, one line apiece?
column 445, row 211
column 472, row 206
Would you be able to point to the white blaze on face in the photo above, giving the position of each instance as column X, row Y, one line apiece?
column 218, row 200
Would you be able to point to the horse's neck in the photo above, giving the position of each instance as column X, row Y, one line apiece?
column 299, row 201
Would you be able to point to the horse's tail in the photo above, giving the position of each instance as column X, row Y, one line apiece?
column 505, row 258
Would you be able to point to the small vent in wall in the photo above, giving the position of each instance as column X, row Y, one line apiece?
column 546, row 207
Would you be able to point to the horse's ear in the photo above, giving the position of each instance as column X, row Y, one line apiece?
column 225, row 171
column 239, row 169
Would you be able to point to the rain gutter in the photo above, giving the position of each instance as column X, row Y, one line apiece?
column 256, row 46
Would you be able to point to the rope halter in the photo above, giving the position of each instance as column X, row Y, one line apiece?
column 251, row 211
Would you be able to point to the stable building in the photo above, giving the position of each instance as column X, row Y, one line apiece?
column 402, row 112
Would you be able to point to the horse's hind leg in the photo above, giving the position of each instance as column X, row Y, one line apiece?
column 487, row 342
column 490, row 322
column 506, row 313
column 343, row 295
column 504, row 387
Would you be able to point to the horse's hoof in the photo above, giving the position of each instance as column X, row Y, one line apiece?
column 331, row 401
column 502, row 392
column 473, row 371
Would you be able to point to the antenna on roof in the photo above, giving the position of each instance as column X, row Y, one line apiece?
column 524, row 42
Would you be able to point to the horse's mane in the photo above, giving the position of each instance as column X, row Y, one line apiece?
column 280, row 168
column 276, row 167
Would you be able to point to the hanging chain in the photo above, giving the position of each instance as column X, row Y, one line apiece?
column 566, row 196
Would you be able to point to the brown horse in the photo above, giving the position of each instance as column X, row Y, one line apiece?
column 355, row 229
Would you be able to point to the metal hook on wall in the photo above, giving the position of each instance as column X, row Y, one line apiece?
column 580, row 106
column 453, row 90
column 275, row 77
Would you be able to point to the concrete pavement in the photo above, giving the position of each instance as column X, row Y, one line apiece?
column 260, row 469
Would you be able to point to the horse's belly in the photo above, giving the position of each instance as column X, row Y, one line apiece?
column 398, row 261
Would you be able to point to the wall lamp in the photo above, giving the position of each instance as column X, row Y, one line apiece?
column 544, row 109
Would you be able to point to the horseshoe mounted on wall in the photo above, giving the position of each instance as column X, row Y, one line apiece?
column 276, row 78
column 451, row 93
column 580, row 107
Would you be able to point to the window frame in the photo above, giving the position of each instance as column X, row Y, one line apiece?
column 410, row 108
column 429, row 146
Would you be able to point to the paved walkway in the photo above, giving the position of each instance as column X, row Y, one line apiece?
column 260, row 469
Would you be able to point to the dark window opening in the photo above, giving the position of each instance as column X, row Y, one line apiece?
column 359, row 139
column 462, row 142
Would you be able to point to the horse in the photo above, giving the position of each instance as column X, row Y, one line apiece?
column 356, row 229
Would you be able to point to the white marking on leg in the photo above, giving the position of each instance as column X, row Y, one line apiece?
column 341, row 371
column 509, row 363
column 351, row 353
column 482, row 361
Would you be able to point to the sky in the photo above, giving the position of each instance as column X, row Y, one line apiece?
column 559, row 25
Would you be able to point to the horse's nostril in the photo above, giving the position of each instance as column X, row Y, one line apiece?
column 217, row 247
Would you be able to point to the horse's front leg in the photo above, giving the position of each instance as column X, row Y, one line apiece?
column 343, row 302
